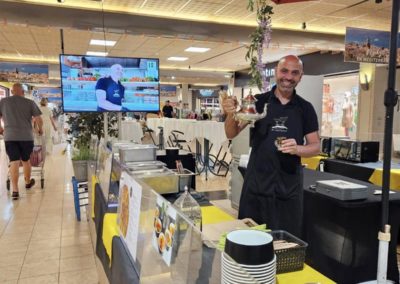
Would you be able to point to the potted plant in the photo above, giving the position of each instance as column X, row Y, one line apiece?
column 82, row 127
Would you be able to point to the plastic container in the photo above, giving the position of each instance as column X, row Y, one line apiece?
column 190, row 208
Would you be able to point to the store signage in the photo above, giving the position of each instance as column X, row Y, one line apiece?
column 270, row 72
column 24, row 73
column 370, row 46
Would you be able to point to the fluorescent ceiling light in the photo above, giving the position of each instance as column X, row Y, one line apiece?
column 102, row 42
column 206, row 84
column 177, row 58
column 197, row 49
column 97, row 53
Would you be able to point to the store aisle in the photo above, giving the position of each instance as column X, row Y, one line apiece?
column 40, row 239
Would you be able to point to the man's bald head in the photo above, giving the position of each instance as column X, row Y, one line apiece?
column 17, row 89
column 288, row 74
column 292, row 59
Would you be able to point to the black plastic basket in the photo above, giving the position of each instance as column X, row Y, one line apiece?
column 291, row 259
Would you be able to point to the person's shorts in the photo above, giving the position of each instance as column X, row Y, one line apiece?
column 19, row 150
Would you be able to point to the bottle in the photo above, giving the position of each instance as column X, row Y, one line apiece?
column 190, row 208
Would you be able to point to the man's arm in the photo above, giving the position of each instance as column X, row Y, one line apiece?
column 311, row 148
column 103, row 103
column 38, row 121
column 232, row 126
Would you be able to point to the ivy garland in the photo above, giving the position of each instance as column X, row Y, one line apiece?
column 260, row 38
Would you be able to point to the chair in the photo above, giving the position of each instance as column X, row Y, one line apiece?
column 223, row 158
column 79, row 189
column 175, row 139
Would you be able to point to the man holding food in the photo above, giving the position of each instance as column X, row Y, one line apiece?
column 273, row 185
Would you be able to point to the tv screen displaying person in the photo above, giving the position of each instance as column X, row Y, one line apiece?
column 109, row 90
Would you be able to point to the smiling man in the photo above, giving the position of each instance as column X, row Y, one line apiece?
column 109, row 90
column 273, row 185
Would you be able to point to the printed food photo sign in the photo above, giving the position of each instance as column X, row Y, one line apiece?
column 129, row 212
column 164, row 229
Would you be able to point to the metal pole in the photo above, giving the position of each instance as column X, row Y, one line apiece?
column 62, row 40
column 390, row 102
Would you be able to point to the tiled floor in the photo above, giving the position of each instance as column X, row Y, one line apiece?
column 40, row 239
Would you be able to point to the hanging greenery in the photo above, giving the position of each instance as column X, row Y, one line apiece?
column 259, row 39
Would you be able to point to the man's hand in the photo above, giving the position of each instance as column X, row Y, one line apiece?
column 229, row 105
column 289, row 146
column 1, row 130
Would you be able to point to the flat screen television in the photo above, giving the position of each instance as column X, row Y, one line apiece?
column 115, row 84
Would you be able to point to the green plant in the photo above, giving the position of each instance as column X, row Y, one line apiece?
column 83, row 126
column 259, row 39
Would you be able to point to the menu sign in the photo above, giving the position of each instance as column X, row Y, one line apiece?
column 164, row 229
column 129, row 212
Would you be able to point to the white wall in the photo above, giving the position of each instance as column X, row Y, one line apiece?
column 310, row 88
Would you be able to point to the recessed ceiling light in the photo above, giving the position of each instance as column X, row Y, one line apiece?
column 177, row 58
column 227, row 76
column 97, row 53
column 102, row 42
column 197, row 49
column 173, row 77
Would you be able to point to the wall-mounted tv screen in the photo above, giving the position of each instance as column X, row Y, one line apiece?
column 95, row 83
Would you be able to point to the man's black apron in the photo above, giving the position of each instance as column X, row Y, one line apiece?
column 273, row 185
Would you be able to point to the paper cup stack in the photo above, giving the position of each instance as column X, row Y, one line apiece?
column 249, row 258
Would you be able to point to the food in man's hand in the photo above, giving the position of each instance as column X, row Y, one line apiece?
column 278, row 141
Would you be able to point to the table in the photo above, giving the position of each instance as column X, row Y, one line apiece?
column 342, row 235
column 368, row 172
column 120, row 268
column 131, row 130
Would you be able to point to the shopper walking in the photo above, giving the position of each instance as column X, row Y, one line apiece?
column 48, row 124
column 17, row 113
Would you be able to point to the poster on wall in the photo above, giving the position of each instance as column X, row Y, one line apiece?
column 129, row 212
column 52, row 94
column 164, row 229
column 370, row 46
column 26, row 73
column 340, row 107
column 167, row 91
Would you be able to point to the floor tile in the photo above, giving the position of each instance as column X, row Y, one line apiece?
column 8, row 273
column 76, row 251
column 78, row 277
column 75, row 240
column 77, row 263
column 44, row 244
column 44, row 279
column 37, row 255
column 14, row 258
column 43, row 267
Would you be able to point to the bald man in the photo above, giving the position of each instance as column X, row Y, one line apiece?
column 273, row 185
column 17, row 113
column 110, row 91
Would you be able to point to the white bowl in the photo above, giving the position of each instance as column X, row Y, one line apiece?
column 246, row 280
column 232, row 269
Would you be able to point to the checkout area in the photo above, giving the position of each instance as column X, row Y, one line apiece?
column 141, row 235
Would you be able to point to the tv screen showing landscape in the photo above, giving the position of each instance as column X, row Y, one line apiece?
column 109, row 84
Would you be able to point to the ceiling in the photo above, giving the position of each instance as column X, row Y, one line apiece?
column 165, row 28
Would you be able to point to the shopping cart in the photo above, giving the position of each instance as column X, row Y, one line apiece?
column 37, row 159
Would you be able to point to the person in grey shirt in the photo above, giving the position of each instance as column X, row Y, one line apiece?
column 18, row 113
